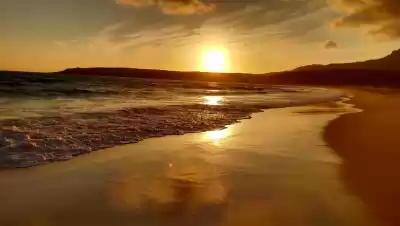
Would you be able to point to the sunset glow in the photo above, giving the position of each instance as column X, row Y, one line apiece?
column 212, row 100
column 215, row 60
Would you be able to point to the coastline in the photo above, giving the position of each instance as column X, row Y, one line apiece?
column 245, row 174
column 368, row 144
column 32, row 141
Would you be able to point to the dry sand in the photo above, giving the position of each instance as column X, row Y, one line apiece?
column 369, row 144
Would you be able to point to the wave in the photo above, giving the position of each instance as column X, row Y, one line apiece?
column 32, row 141
column 46, row 85
column 51, row 92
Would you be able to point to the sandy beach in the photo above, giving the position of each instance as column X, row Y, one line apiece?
column 274, row 169
column 368, row 144
column 200, row 113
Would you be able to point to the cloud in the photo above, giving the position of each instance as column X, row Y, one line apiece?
column 381, row 16
column 136, row 3
column 349, row 5
column 185, row 7
column 330, row 45
column 240, row 23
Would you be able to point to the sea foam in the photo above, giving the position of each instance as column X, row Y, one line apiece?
column 26, row 142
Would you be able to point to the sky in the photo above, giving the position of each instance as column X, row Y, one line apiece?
column 252, row 36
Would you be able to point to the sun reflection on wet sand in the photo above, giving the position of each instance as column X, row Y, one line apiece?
column 212, row 100
column 255, row 177
column 186, row 188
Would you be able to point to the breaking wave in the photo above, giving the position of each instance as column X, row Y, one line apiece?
column 33, row 141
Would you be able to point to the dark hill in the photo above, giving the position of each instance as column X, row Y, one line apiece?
column 172, row 75
column 390, row 62
column 378, row 72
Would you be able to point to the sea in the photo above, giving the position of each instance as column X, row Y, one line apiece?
column 48, row 117
column 125, row 151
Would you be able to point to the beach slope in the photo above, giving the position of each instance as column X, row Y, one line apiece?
column 369, row 145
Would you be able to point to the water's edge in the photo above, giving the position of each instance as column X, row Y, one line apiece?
column 33, row 141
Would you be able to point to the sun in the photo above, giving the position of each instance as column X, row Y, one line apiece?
column 215, row 61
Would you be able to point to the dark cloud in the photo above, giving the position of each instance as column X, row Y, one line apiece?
column 383, row 16
column 296, row 17
column 172, row 6
column 265, row 12
column 233, row 22
column 330, row 44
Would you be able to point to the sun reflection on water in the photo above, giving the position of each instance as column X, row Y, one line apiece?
column 212, row 100
column 217, row 136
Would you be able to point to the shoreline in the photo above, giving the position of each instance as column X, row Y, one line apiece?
column 34, row 141
column 214, row 178
column 368, row 144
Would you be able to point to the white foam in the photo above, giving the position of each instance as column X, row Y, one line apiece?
column 37, row 140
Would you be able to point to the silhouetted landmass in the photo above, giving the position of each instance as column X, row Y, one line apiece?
column 379, row 72
column 172, row 75
column 390, row 62
column 340, row 77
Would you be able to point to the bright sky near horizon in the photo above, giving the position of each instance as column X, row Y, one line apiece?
column 254, row 36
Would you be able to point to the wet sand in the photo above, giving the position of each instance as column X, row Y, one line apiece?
column 369, row 144
column 274, row 169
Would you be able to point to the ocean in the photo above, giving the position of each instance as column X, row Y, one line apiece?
column 170, row 153
column 46, row 117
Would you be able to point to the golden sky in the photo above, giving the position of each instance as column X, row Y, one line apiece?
column 191, row 35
